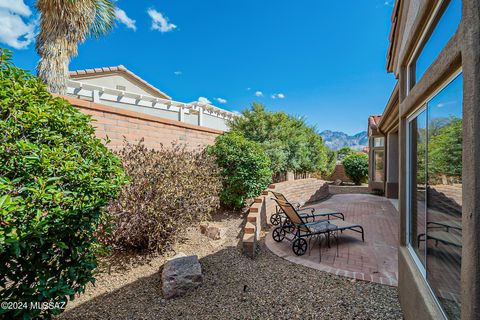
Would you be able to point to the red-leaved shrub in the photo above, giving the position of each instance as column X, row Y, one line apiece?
column 169, row 190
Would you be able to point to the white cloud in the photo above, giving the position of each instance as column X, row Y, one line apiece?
column 177, row 73
column 278, row 96
column 259, row 93
column 443, row 104
column 204, row 100
column 16, row 7
column 17, row 27
column 388, row 3
column 248, row 89
column 123, row 18
column 160, row 22
column 221, row 100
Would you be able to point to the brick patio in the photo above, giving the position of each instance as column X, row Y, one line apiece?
column 373, row 260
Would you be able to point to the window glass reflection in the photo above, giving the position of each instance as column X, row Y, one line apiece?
column 417, row 214
column 440, row 36
column 379, row 155
column 444, row 205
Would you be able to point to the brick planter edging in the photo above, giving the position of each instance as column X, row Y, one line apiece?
column 302, row 190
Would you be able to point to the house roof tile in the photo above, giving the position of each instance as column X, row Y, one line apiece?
column 117, row 69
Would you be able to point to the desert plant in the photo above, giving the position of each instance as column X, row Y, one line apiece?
column 55, row 180
column 356, row 167
column 245, row 168
column 63, row 25
column 170, row 189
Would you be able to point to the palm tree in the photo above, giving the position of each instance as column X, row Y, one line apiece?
column 63, row 25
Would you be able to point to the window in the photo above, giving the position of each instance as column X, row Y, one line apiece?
column 443, row 25
column 378, row 142
column 434, row 193
column 417, row 185
column 444, row 194
column 379, row 165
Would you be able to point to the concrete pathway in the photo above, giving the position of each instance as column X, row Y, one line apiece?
column 373, row 260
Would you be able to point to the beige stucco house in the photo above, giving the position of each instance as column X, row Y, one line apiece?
column 119, row 87
column 425, row 151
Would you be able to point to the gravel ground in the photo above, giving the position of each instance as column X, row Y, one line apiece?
column 235, row 287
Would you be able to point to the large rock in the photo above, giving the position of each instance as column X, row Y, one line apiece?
column 180, row 275
column 213, row 231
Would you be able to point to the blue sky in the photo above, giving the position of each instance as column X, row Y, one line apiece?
column 324, row 60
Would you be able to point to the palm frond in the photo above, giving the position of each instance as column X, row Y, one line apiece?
column 104, row 19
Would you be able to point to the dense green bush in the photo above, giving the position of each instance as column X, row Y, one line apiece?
column 330, row 164
column 245, row 168
column 288, row 141
column 356, row 167
column 343, row 152
column 170, row 189
column 55, row 180
column 445, row 149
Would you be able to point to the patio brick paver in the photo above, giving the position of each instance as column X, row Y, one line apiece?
column 374, row 260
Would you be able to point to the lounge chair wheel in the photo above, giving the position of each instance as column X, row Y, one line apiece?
column 278, row 234
column 299, row 246
column 275, row 219
column 288, row 226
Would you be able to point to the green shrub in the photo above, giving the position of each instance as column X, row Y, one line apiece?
column 288, row 141
column 343, row 152
column 445, row 150
column 55, row 180
column 170, row 189
column 356, row 167
column 331, row 163
column 245, row 168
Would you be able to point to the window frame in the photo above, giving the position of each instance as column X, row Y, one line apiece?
column 375, row 150
column 414, row 114
column 408, row 185
column 383, row 141
column 427, row 31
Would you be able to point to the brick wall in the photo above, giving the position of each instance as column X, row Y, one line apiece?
column 339, row 173
column 118, row 123
column 258, row 218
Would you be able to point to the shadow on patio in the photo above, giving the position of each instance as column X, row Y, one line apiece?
column 374, row 260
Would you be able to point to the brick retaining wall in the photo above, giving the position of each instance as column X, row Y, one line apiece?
column 339, row 173
column 118, row 123
column 303, row 191
column 349, row 189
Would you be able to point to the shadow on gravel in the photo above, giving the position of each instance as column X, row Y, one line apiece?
column 237, row 287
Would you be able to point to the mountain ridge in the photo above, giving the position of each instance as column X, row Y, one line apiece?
column 336, row 140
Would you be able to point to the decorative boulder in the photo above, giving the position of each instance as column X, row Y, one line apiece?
column 180, row 275
column 213, row 231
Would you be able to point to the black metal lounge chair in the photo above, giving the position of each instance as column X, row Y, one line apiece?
column 302, row 229
column 443, row 236
column 307, row 213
